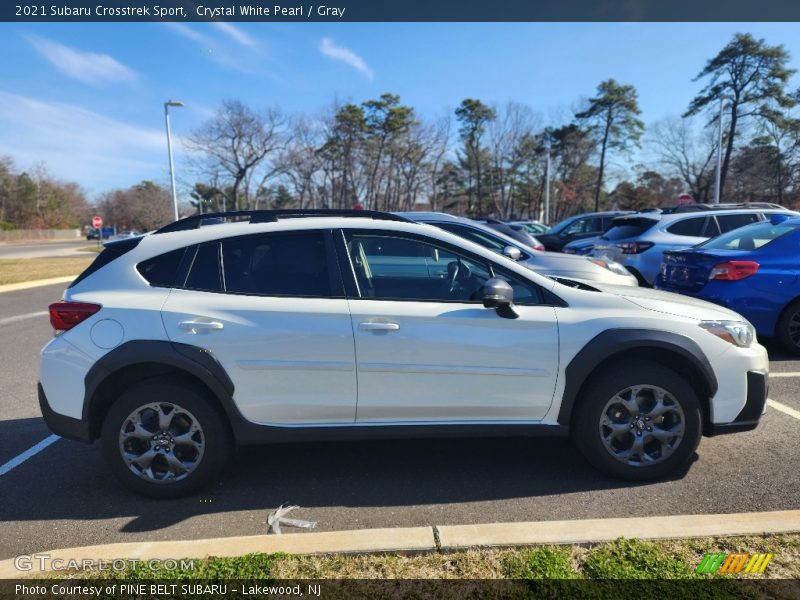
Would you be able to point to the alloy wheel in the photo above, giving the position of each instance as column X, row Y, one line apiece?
column 642, row 425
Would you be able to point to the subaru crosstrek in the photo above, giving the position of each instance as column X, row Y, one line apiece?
column 293, row 325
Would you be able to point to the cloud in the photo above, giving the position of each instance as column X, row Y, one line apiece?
column 236, row 34
column 211, row 49
column 77, row 144
column 89, row 67
column 330, row 49
column 187, row 32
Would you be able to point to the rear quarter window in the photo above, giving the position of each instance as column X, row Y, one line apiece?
column 162, row 270
column 691, row 227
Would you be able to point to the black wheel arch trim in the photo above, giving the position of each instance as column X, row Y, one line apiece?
column 197, row 362
column 615, row 341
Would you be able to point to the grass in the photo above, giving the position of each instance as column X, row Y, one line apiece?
column 31, row 269
column 94, row 248
column 622, row 559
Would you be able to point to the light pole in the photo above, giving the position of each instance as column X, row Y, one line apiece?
column 718, row 177
column 167, row 104
column 547, row 184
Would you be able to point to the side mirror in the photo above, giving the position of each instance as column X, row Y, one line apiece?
column 497, row 294
column 512, row 252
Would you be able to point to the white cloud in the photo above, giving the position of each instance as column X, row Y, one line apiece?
column 236, row 34
column 210, row 48
column 77, row 144
column 332, row 50
column 187, row 32
column 88, row 67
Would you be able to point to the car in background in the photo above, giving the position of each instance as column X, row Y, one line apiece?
column 104, row 233
column 532, row 227
column 753, row 270
column 127, row 234
column 582, row 247
column 517, row 232
column 639, row 240
column 553, row 264
column 578, row 227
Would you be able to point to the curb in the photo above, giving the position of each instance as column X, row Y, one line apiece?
column 432, row 539
column 13, row 287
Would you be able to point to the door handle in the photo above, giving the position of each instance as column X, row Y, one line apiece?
column 200, row 326
column 378, row 326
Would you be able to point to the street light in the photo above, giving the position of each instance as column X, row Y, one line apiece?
column 167, row 104
column 547, row 184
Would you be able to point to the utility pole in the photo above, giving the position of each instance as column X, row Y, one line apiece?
column 547, row 184
column 719, row 156
column 167, row 104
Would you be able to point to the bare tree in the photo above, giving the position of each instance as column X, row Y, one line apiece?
column 686, row 154
column 235, row 144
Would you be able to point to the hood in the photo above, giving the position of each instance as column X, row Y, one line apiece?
column 552, row 262
column 671, row 304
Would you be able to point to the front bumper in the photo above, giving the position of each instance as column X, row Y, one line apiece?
column 66, row 427
column 754, row 407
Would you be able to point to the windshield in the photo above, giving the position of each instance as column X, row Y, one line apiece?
column 559, row 227
column 749, row 237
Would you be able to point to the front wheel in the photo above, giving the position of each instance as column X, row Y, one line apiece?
column 638, row 422
column 165, row 440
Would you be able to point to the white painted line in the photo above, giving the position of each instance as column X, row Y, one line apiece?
column 784, row 409
column 16, row 318
column 18, row 460
column 775, row 375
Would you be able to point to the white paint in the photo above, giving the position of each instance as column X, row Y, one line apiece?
column 16, row 318
column 775, row 375
column 33, row 451
column 784, row 409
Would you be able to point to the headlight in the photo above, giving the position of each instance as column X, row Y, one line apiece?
column 738, row 333
column 612, row 266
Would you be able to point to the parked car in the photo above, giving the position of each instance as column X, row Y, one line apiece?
column 105, row 233
column 176, row 345
column 582, row 247
column 753, row 270
column 639, row 240
column 517, row 232
column 577, row 228
column 533, row 227
column 127, row 234
column 553, row 264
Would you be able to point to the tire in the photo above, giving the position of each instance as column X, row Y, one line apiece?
column 189, row 454
column 788, row 328
column 619, row 438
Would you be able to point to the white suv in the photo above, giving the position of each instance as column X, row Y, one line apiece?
column 173, row 346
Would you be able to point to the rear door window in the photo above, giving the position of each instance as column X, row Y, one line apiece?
column 730, row 222
column 204, row 274
column 277, row 264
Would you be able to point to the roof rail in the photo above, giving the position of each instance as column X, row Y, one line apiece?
column 272, row 216
column 721, row 206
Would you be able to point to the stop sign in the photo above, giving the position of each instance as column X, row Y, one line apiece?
column 97, row 221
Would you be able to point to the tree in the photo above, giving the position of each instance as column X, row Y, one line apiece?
column 685, row 154
column 751, row 77
column 141, row 207
column 235, row 143
column 473, row 116
column 613, row 116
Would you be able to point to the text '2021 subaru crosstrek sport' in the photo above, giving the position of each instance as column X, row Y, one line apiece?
column 269, row 326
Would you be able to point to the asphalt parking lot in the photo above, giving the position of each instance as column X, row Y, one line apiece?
column 65, row 496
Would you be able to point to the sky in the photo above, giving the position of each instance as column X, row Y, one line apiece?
column 86, row 100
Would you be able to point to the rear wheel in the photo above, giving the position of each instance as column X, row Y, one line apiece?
column 165, row 440
column 788, row 328
column 639, row 422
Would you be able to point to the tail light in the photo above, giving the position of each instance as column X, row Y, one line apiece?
column 634, row 247
column 65, row 315
column 539, row 247
column 733, row 270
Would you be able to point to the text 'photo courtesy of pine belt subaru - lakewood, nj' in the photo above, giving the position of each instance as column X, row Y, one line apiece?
column 279, row 326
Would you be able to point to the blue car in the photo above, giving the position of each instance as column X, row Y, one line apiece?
column 753, row 270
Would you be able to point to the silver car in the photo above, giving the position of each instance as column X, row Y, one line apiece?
column 638, row 241
column 553, row 264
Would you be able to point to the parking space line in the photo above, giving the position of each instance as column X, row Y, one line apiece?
column 784, row 409
column 21, row 458
column 16, row 318
column 775, row 375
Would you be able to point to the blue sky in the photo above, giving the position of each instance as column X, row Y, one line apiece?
column 86, row 99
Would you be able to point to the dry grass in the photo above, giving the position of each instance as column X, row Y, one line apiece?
column 31, row 269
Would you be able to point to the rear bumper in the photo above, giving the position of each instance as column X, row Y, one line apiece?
column 750, row 415
column 66, row 427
